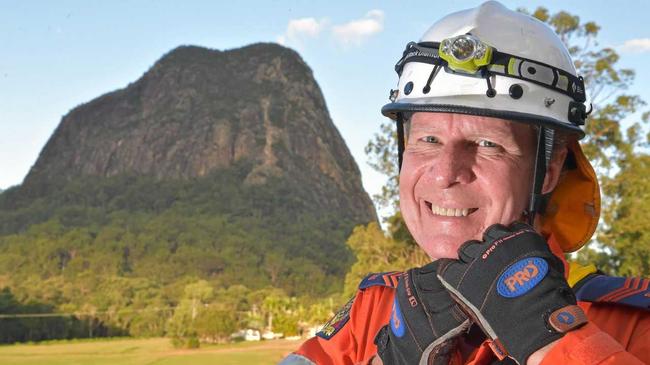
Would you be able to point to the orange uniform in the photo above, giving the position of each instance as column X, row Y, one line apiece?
column 616, row 333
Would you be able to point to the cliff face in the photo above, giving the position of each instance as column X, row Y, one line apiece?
column 197, row 111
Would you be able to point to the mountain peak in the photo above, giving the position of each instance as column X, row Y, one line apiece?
column 198, row 110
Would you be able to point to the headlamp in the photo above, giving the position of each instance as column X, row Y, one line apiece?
column 465, row 53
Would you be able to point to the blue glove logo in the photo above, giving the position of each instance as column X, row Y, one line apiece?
column 396, row 320
column 566, row 318
column 522, row 276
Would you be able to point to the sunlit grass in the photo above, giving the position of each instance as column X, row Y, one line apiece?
column 158, row 351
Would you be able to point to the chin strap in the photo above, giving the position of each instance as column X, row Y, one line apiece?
column 400, row 140
column 542, row 159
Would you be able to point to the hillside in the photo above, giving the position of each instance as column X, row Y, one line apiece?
column 214, row 165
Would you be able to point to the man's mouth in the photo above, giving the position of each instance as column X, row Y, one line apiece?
column 450, row 212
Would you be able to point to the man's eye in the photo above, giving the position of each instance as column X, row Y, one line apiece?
column 486, row 143
column 430, row 139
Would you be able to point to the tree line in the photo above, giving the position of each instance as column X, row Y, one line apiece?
column 122, row 252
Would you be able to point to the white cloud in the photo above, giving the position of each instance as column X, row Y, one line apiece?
column 352, row 33
column 299, row 30
column 638, row 45
column 357, row 31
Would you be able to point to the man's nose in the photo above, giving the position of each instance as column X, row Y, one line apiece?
column 453, row 166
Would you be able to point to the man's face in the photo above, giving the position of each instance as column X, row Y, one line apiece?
column 461, row 174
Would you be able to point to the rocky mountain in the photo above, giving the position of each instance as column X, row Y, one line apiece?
column 199, row 110
column 211, row 162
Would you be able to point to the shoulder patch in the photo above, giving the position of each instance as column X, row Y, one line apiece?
column 334, row 325
column 389, row 279
column 632, row 292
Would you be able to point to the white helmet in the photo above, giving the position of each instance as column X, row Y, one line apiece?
column 491, row 61
column 496, row 62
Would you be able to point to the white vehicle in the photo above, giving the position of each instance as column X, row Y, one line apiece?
column 246, row 335
column 269, row 335
column 252, row 335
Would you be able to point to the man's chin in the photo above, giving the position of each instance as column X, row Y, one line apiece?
column 441, row 251
column 443, row 247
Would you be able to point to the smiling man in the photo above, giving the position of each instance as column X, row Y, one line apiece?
column 452, row 187
column 495, row 188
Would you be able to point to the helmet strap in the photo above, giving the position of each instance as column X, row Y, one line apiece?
column 539, row 173
column 400, row 139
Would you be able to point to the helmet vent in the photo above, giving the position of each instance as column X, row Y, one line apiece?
column 408, row 87
column 516, row 91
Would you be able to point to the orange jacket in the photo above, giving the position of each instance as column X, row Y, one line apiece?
column 615, row 334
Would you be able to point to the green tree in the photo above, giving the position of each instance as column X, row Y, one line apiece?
column 319, row 312
column 377, row 252
column 274, row 305
column 195, row 298
column 382, row 157
column 282, row 312
column 622, row 245
column 626, row 232
column 215, row 324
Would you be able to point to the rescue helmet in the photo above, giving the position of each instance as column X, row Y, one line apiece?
column 495, row 62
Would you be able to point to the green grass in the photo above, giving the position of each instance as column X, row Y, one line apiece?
column 155, row 351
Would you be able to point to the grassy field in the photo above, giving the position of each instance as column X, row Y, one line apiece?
column 156, row 351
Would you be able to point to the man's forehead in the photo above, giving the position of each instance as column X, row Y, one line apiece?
column 467, row 124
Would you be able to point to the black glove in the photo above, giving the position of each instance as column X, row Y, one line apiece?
column 425, row 321
column 513, row 286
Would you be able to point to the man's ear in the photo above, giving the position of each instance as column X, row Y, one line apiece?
column 554, row 169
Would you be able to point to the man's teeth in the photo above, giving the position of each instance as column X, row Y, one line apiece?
column 450, row 212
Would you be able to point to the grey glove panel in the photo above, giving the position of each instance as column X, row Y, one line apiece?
column 294, row 359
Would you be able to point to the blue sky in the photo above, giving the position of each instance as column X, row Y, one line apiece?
column 57, row 55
